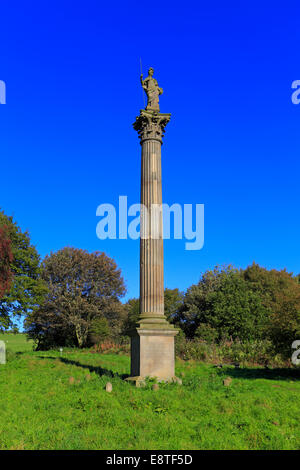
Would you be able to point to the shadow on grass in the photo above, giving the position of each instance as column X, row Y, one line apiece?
column 98, row 370
column 16, row 353
column 12, row 355
column 257, row 373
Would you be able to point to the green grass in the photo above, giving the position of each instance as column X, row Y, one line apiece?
column 49, row 401
column 16, row 343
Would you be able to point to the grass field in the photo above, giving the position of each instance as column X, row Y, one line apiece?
column 16, row 343
column 49, row 401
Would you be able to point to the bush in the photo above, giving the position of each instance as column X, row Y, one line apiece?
column 110, row 346
column 259, row 352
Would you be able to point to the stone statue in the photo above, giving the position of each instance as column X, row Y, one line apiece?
column 152, row 90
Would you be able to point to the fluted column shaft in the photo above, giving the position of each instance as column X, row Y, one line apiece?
column 151, row 244
column 151, row 127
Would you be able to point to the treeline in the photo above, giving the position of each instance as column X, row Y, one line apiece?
column 248, row 311
column 73, row 298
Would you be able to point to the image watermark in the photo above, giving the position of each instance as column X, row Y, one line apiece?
column 295, row 358
column 152, row 223
column 296, row 94
column 2, row 92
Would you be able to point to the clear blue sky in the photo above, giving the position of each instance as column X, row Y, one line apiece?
column 67, row 143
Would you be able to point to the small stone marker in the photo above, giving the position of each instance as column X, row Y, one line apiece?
column 155, row 387
column 140, row 383
column 2, row 353
column 177, row 380
column 108, row 387
column 227, row 381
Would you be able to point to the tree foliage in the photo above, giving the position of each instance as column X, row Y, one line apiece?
column 173, row 299
column 27, row 289
column 99, row 330
column 280, row 294
column 82, row 287
column 222, row 305
column 248, row 305
column 132, row 311
column 6, row 258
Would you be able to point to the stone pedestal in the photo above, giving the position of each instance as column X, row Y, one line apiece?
column 152, row 354
column 152, row 342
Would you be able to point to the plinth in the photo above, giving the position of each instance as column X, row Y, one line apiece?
column 152, row 341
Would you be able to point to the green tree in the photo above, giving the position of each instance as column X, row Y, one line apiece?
column 6, row 258
column 280, row 294
column 132, row 309
column 27, row 289
column 82, row 287
column 99, row 330
column 235, row 310
column 195, row 307
column 222, row 305
column 173, row 299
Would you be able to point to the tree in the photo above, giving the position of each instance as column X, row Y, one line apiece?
column 27, row 289
column 82, row 287
column 132, row 309
column 99, row 330
column 173, row 299
column 235, row 310
column 280, row 294
column 6, row 258
column 222, row 305
column 195, row 305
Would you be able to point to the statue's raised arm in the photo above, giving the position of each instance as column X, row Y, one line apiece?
column 152, row 90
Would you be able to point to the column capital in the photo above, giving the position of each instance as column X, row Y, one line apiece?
column 151, row 125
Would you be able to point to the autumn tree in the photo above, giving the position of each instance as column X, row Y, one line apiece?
column 82, row 287
column 27, row 289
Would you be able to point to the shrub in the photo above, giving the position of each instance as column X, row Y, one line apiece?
column 258, row 352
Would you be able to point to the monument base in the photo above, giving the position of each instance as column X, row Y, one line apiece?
column 152, row 354
column 141, row 381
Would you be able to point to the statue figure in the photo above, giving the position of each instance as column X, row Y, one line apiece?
column 152, row 90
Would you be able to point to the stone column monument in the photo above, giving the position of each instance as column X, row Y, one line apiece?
column 152, row 341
